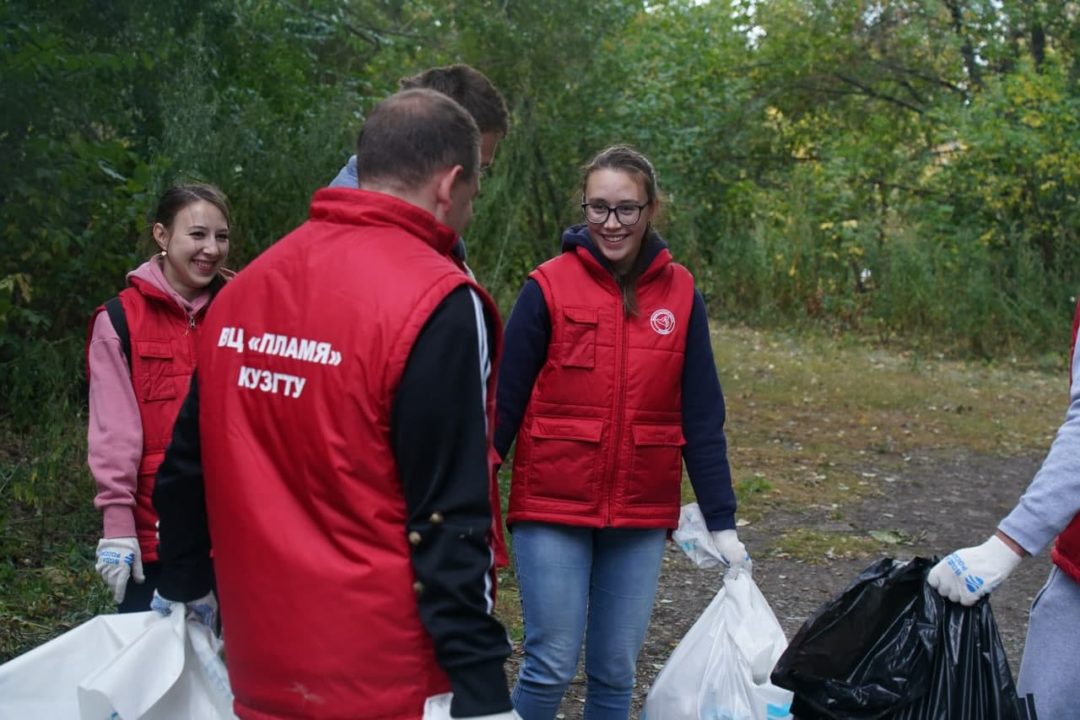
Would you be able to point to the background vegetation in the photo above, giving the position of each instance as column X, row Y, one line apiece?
column 903, row 170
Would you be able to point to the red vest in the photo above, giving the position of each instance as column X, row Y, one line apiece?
column 163, row 345
column 601, row 441
column 306, row 508
column 1066, row 552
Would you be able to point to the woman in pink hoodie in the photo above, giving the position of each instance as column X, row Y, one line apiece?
column 140, row 357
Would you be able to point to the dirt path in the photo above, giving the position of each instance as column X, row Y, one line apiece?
column 935, row 502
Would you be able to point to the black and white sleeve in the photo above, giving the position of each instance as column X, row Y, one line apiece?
column 439, row 437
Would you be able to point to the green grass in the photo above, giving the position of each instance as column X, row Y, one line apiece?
column 40, row 602
column 806, row 410
column 48, row 532
column 817, row 547
column 508, row 605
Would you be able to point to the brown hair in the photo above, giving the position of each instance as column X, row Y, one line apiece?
column 471, row 89
column 413, row 133
column 624, row 158
column 179, row 197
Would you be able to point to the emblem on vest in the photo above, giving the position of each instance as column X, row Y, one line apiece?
column 662, row 321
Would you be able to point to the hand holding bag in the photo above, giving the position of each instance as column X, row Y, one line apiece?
column 720, row 669
column 891, row 648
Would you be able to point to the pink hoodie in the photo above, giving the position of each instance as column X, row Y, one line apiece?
column 114, row 435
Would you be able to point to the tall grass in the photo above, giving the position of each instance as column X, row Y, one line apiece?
column 897, row 278
column 48, row 526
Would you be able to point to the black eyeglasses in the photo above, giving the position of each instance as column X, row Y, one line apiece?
column 626, row 214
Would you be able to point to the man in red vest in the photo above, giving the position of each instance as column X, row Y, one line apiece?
column 1049, row 509
column 335, row 446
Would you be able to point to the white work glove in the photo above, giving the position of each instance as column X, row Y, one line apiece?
column 967, row 574
column 117, row 560
column 203, row 610
column 732, row 552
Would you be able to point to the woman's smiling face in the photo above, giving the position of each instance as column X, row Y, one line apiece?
column 195, row 244
column 614, row 189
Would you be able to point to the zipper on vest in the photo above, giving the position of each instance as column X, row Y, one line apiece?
column 191, row 322
column 621, row 339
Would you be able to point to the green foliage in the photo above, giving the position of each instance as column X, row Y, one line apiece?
column 43, row 442
column 48, row 525
column 811, row 150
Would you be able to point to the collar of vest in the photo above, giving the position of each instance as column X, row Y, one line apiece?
column 601, row 269
column 155, row 294
column 352, row 207
column 578, row 240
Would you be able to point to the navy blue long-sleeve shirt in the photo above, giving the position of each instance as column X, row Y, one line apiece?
column 526, row 340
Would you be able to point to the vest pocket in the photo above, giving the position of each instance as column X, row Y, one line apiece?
column 154, row 381
column 563, row 458
column 656, row 465
column 579, row 350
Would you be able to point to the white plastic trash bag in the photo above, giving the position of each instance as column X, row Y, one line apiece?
column 720, row 669
column 136, row 665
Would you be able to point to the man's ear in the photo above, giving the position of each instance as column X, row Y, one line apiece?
column 444, row 187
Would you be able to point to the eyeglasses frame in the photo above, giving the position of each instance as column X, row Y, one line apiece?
column 640, row 208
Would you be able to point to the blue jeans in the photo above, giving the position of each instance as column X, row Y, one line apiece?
column 583, row 584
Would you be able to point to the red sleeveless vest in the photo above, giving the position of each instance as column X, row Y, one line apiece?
column 295, row 415
column 601, row 441
column 163, row 347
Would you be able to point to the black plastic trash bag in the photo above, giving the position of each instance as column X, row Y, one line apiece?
column 891, row 648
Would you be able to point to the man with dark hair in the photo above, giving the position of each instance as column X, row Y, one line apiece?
column 342, row 411
column 472, row 90
column 475, row 93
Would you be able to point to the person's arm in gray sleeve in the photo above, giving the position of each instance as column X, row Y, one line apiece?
column 1052, row 499
column 1047, row 506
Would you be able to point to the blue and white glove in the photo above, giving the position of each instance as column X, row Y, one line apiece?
column 117, row 560
column 203, row 610
column 969, row 573
column 732, row 552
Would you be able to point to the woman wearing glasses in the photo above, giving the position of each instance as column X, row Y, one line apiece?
column 608, row 383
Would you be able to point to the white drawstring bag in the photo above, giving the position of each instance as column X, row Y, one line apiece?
column 720, row 669
column 136, row 665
